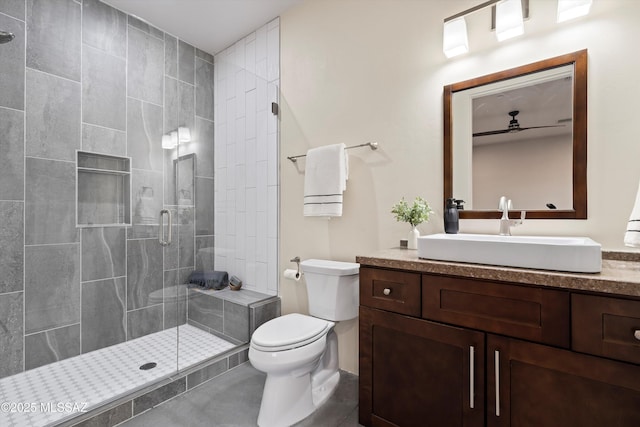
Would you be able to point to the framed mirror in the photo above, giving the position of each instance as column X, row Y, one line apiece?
column 519, row 133
column 184, row 172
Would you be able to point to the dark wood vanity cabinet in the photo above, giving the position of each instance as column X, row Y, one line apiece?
column 484, row 353
column 419, row 373
column 539, row 385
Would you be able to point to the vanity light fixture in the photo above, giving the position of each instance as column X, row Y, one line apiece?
column 569, row 9
column 184, row 134
column 509, row 20
column 455, row 41
column 454, row 36
column 171, row 139
column 167, row 144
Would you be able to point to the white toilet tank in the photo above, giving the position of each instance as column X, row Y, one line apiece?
column 332, row 288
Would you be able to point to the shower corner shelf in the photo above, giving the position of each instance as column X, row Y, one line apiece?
column 103, row 190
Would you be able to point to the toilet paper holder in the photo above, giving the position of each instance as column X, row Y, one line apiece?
column 297, row 261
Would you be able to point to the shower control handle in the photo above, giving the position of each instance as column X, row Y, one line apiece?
column 164, row 241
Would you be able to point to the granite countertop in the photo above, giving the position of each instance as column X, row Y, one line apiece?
column 620, row 273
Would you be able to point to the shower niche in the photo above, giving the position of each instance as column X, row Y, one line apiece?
column 103, row 190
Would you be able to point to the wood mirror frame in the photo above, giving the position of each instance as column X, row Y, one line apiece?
column 579, row 211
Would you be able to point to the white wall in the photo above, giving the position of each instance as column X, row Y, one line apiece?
column 360, row 70
column 510, row 168
column 246, row 159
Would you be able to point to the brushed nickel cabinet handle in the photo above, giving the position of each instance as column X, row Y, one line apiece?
column 497, row 369
column 471, row 376
column 386, row 291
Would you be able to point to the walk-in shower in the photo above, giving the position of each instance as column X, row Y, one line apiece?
column 95, row 310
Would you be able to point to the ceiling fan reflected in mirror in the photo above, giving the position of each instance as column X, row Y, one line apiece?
column 513, row 127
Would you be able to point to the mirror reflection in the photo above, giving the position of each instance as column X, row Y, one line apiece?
column 520, row 133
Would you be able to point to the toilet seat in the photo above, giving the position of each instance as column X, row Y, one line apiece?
column 288, row 332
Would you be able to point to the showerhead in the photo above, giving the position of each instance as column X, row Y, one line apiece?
column 6, row 37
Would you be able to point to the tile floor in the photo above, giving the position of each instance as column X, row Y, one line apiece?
column 233, row 400
column 92, row 378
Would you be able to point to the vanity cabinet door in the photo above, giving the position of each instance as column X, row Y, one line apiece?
column 416, row 373
column 545, row 386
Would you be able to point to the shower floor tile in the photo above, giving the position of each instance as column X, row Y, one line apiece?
column 51, row 393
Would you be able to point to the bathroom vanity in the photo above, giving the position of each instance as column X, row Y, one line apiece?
column 452, row 344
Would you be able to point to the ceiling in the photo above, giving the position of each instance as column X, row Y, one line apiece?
column 543, row 104
column 210, row 25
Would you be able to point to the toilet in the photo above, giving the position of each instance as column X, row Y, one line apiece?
column 299, row 353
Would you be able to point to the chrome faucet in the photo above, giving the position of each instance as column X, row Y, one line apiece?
column 505, row 223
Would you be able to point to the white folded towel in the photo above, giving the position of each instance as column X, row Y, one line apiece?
column 632, row 236
column 325, row 179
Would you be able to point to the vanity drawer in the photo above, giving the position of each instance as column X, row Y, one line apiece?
column 535, row 314
column 606, row 327
column 396, row 291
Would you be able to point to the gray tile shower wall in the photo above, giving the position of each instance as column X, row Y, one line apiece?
column 144, row 127
column 50, row 201
column 144, row 271
column 52, row 345
column 145, row 65
column 53, row 115
column 11, row 143
column 103, row 253
column 12, row 82
column 175, row 314
column 11, row 337
column 186, row 66
column 59, row 55
column 52, row 286
column 12, row 254
column 103, row 313
column 104, row 140
column 103, row 89
column 13, row 8
column 104, row 28
column 112, row 84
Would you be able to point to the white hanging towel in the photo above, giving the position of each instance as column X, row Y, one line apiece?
column 325, row 179
column 632, row 236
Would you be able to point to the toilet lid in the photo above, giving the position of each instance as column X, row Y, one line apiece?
column 289, row 331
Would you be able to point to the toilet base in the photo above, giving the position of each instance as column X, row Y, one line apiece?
column 290, row 397
column 285, row 400
column 324, row 391
column 285, row 406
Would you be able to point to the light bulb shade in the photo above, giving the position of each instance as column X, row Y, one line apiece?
column 184, row 134
column 454, row 38
column 167, row 144
column 509, row 21
column 174, row 138
column 569, row 9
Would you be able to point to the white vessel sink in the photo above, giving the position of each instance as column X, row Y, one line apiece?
column 574, row 254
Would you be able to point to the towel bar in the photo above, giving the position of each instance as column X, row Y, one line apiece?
column 372, row 145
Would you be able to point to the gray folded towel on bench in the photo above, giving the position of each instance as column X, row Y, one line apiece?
column 209, row 279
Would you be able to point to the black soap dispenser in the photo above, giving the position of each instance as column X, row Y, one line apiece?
column 451, row 216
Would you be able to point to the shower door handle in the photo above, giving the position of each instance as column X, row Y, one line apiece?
column 164, row 241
